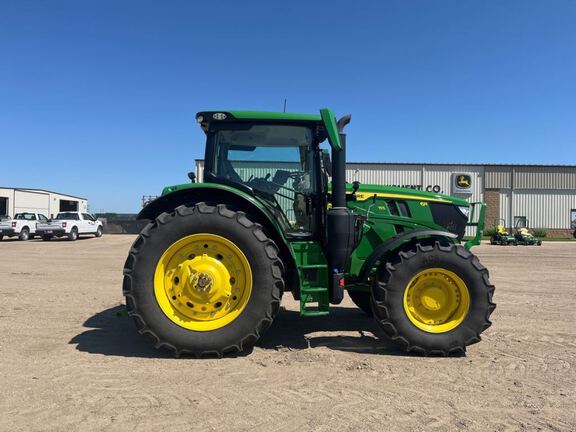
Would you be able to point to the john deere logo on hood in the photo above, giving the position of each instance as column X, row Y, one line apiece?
column 464, row 181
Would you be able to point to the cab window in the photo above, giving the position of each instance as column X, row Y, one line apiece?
column 276, row 161
column 25, row 216
column 67, row 216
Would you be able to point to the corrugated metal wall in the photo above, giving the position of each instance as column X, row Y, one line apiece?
column 504, row 208
column 544, row 178
column 497, row 177
column 544, row 209
column 399, row 175
column 531, row 177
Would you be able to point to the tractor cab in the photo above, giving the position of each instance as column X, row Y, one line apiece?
column 276, row 162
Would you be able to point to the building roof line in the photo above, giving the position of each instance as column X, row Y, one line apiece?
column 42, row 191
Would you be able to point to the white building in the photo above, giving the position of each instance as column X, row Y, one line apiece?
column 18, row 200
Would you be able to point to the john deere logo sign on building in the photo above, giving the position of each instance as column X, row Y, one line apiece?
column 462, row 184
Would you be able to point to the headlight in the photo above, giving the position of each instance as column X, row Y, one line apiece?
column 465, row 210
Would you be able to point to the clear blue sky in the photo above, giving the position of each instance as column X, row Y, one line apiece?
column 97, row 98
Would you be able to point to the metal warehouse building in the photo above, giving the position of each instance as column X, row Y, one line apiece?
column 19, row 200
column 537, row 196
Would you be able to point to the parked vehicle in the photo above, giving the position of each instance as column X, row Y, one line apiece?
column 525, row 238
column 71, row 225
column 501, row 235
column 22, row 226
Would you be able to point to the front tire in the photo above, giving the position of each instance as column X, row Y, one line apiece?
column 181, row 253
column 98, row 233
column 433, row 300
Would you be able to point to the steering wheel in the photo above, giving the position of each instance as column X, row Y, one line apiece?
column 295, row 174
column 271, row 186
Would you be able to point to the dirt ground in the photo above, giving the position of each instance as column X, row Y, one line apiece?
column 70, row 360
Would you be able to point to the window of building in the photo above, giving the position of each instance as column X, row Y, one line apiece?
column 3, row 206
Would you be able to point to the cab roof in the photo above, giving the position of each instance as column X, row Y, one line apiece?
column 325, row 118
column 256, row 115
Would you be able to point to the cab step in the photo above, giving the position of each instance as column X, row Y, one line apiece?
column 314, row 301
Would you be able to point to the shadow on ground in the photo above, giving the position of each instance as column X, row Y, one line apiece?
column 112, row 332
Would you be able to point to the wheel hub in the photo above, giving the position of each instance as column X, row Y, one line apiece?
column 436, row 300
column 203, row 282
column 433, row 298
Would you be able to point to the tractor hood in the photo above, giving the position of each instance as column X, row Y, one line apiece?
column 367, row 191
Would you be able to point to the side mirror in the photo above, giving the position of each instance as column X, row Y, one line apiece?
column 192, row 177
column 326, row 162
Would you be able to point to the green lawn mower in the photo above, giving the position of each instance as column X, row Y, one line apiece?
column 525, row 238
column 275, row 215
column 501, row 235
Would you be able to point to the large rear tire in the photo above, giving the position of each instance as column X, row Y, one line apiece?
column 433, row 300
column 179, row 286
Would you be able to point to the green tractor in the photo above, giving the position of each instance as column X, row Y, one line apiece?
column 274, row 214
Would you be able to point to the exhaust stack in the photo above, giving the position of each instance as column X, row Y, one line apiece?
column 341, row 222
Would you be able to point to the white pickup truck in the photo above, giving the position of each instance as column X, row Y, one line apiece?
column 22, row 226
column 71, row 225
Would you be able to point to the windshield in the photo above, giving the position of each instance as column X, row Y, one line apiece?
column 67, row 216
column 25, row 216
column 275, row 160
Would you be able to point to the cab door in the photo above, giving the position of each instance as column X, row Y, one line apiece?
column 88, row 224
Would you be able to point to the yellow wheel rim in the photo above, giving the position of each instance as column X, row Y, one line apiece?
column 436, row 300
column 203, row 282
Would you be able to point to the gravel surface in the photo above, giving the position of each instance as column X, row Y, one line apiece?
column 71, row 360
